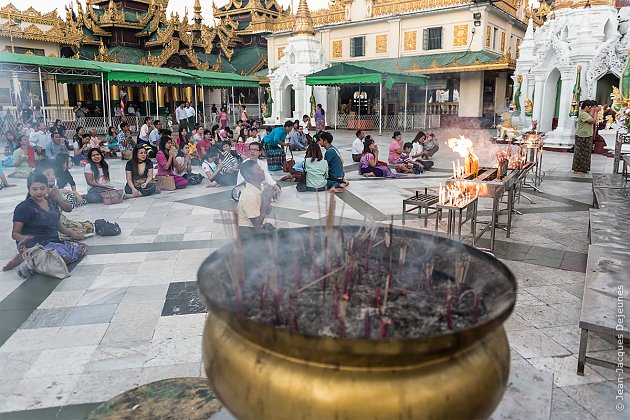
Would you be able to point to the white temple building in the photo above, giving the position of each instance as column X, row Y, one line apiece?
column 591, row 34
column 302, row 56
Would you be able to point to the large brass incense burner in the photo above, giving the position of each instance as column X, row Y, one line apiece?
column 260, row 371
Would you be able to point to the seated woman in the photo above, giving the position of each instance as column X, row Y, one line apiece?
column 316, row 168
column 395, row 149
column 24, row 159
column 139, row 174
column 369, row 165
column 182, row 166
column 165, row 161
column 420, row 153
column 212, row 167
column 96, row 174
column 111, row 141
column 61, row 167
column 182, row 138
column 81, row 150
column 36, row 220
column 204, row 144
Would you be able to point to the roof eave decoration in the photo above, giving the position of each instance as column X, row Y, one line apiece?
column 504, row 62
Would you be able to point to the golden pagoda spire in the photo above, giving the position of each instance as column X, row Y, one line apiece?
column 197, row 11
column 303, row 20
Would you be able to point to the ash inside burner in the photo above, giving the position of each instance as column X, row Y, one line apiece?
column 362, row 283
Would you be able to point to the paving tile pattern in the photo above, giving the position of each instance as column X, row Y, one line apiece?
column 130, row 313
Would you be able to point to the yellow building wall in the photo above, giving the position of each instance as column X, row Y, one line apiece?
column 398, row 43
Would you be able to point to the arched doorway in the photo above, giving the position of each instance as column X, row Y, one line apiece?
column 551, row 101
column 604, row 88
column 288, row 101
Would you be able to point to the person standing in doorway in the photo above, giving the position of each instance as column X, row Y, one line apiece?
column 214, row 113
column 180, row 116
column 190, row 116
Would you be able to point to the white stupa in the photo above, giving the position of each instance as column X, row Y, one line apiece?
column 590, row 34
column 303, row 55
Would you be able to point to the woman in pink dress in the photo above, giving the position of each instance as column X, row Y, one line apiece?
column 223, row 118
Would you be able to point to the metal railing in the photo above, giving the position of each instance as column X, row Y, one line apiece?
column 390, row 122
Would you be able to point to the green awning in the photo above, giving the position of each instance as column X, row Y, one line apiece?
column 40, row 61
column 133, row 73
column 217, row 79
column 359, row 73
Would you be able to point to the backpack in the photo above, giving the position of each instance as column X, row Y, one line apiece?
column 104, row 228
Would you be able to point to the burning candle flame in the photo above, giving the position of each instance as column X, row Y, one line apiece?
column 457, row 195
column 461, row 145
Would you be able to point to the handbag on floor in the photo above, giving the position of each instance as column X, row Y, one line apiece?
column 45, row 261
column 288, row 164
column 166, row 183
column 104, row 228
column 194, row 179
column 301, row 181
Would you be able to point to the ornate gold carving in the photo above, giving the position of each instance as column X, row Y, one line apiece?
column 199, row 65
column 518, row 47
column 158, row 61
column 488, row 36
column 337, row 49
column 30, row 15
column 392, row 7
column 303, row 20
column 504, row 62
column 280, row 53
column 410, row 39
column 460, row 35
column 502, row 41
column 112, row 14
column 381, row 44
column 511, row 7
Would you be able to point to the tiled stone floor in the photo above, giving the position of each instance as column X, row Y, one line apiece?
column 129, row 313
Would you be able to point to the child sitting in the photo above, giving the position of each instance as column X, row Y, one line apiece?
column 405, row 159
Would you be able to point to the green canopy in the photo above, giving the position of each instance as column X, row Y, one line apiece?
column 49, row 62
column 133, row 73
column 217, row 79
column 360, row 73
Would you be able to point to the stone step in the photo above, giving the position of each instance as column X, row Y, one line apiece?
column 528, row 394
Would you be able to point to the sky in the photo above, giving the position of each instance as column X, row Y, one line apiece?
column 174, row 5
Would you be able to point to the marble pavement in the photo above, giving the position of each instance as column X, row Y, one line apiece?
column 129, row 314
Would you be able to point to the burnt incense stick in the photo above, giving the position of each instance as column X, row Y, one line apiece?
column 317, row 280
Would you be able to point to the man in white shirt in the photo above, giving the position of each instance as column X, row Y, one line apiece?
column 131, row 110
column 155, row 135
column 39, row 139
column 147, row 127
column 180, row 115
column 255, row 201
column 357, row 146
column 254, row 154
column 198, row 134
column 190, row 115
column 305, row 123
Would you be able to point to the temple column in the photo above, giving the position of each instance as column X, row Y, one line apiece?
column 115, row 93
column 79, row 92
column 189, row 94
column 568, row 80
column 539, row 88
column 470, row 94
column 499, row 93
column 96, row 92
column 163, row 91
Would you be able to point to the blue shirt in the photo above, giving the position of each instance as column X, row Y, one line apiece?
column 335, row 164
column 277, row 135
column 52, row 149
